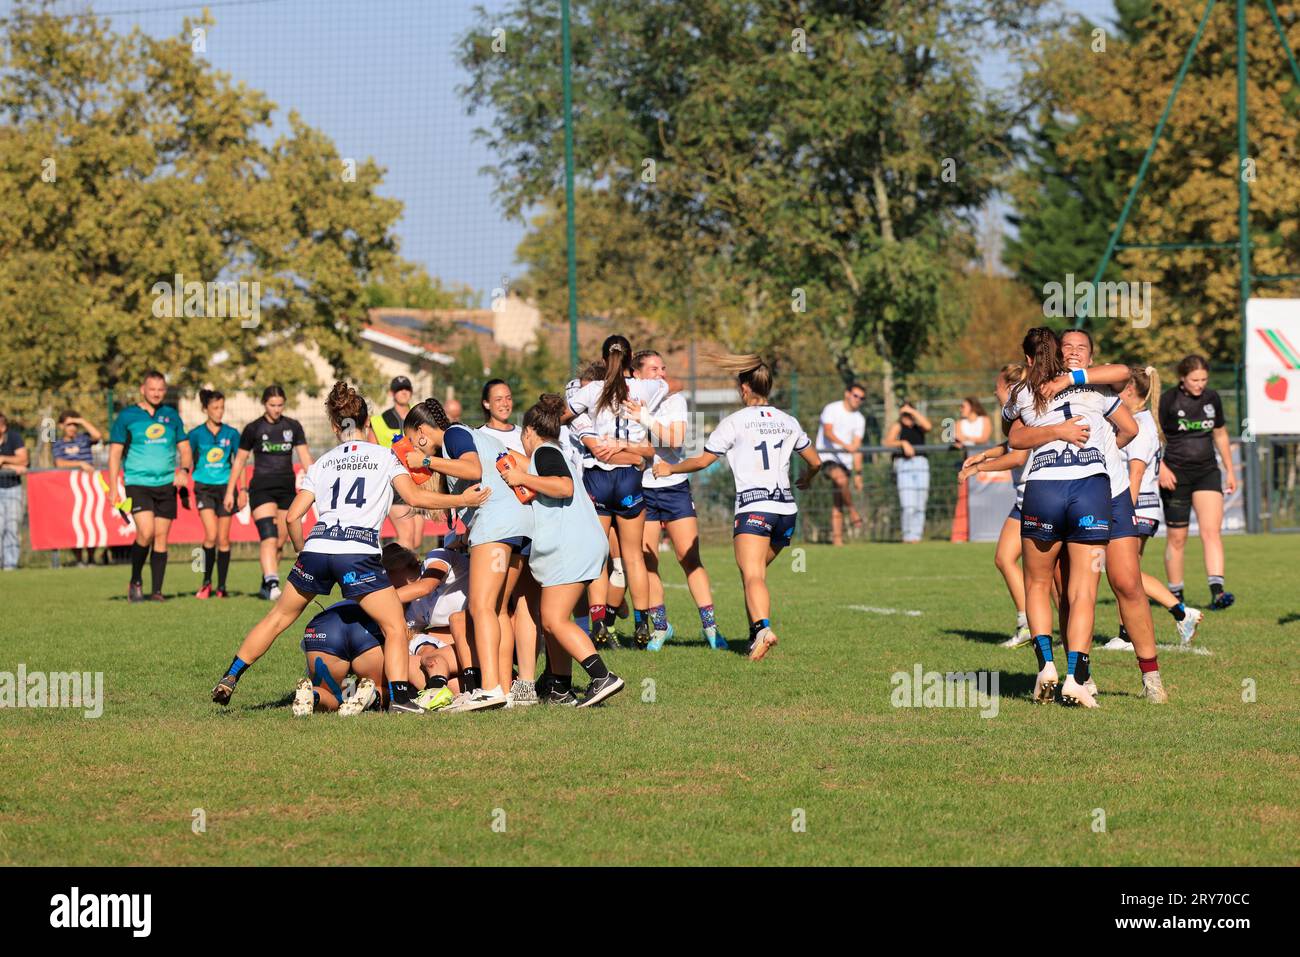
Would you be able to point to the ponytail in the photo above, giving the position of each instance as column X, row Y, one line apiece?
column 1146, row 383
column 617, row 352
column 1043, row 347
column 749, row 369
column 429, row 412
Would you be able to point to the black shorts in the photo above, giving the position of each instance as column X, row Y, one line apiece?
column 1178, row 502
column 829, row 464
column 159, row 499
column 211, row 496
column 281, row 495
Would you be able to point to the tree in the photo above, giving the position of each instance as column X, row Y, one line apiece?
column 798, row 165
column 1103, row 111
column 126, row 161
column 402, row 284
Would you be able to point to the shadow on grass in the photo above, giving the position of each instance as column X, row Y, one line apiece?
column 190, row 594
column 1288, row 619
column 268, row 705
column 985, row 637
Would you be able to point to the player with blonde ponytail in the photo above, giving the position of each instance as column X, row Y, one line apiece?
column 1142, row 460
column 758, row 442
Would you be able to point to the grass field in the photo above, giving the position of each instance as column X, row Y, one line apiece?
column 712, row 763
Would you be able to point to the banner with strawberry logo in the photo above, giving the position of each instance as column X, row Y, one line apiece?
column 1273, row 366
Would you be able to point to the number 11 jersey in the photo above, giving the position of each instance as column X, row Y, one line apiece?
column 759, row 442
column 353, row 485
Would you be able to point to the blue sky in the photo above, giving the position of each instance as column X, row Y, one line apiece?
column 379, row 77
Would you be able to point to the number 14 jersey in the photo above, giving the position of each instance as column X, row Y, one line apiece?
column 353, row 485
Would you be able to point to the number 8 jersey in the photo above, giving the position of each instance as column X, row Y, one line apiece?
column 353, row 485
column 759, row 442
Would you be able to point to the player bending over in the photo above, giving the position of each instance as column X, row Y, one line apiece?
column 352, row 487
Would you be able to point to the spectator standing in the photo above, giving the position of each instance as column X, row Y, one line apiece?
column 972, row 430
column 839, row 438
column 911, row 469
column 74, row 449
column 13, row 463
column 147, row 441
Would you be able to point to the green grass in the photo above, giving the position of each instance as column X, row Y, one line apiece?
column 708, row 772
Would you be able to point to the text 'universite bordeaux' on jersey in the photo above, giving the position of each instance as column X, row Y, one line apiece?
column 758, row 442
column 353, row 485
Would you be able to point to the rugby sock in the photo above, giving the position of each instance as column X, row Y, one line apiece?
column 223, row 566
column 237, row 668
column 595, row 668
column 757, row 626
column 597, row 613
column 469, row 679
column 1147, row 665
column 157, row 569
column 639, row 615
column 1123, row 634
column 1079, row 667
column 400, row 691
column 584, row 623
column 1022, row 620
column 1179, row 611
column 562, row 683
column 1071, row 660
column 209, row 559
column 437, row 681
column 139, row 553
column 1177, row 589
column 1216, row 585
column 706, row 617
column 659, row 614
column 1043, row 649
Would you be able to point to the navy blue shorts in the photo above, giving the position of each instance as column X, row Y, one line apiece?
column 779, row 529
column 1014, row 514
column 342, row 630
column 615, row 491
column 669, row 503
column 1123, row 520
column 316, row 573
column 1067, row 510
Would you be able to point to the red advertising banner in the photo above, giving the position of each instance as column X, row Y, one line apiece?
column 68, row 508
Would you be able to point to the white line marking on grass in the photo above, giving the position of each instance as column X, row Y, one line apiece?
column 676, row 585
column 1186, row 649
column 884, row 611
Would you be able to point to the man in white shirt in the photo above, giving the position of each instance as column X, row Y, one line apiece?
column 839, row 437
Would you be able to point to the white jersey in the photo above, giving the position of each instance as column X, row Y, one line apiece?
column 759, row 442
column 512, row 438
column 611, row 423
column 1146, row 449
column 1018, row 473
column 847, row 425
column 435, row 609
column 1116, row 465
column 1060, row 460
column 571, row 433
column 671, row 410
column 353, row 485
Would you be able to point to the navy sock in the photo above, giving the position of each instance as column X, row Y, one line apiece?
column 659, row 615
column 1043, row 649
column 237, row 668
column 1071, row 660
column 1179, row 611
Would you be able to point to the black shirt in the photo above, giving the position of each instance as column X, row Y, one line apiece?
column 1189, row 423
column 10, row 445
column 272, row 445
column 550, row 461
column 910, row 433
column 392, row 419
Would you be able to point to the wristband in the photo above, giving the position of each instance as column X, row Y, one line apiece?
column 1079, row 376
